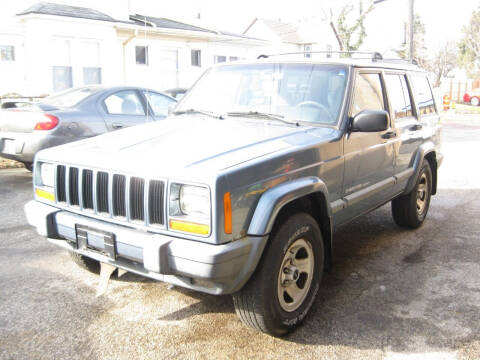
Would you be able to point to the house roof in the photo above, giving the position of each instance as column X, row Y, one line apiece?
column 288, row 33
column 46, row 8
column 167, row 23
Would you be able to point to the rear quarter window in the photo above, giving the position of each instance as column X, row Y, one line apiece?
column 423, row 95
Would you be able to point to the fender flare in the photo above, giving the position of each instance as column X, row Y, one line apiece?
column 422, row 152
column 274, row 199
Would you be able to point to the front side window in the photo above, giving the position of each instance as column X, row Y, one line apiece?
column 7, row 53
column 141, row 55
column 399, row 95
column 158, row 103
column 368, row 93
column 124, row 103
column 423, row 95
column 297, row 92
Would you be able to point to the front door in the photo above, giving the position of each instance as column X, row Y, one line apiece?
column 369, row 156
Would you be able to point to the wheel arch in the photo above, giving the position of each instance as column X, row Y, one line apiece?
column 308, row 195
column 425, row 152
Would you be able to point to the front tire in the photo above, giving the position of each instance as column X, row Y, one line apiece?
column 411, row 209
column 282, row 290
column 475, row 101
column 28, row 166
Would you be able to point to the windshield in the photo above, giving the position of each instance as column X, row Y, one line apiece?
column 296, row 92
column 68, row 98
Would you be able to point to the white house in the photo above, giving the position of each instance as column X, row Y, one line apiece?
column 51, row 47
column 309, row 35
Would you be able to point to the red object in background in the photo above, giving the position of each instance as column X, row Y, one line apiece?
column 472, row 97
column 466, row 98
column 47, row 125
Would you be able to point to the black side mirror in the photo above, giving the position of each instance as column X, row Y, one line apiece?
column 370, row 121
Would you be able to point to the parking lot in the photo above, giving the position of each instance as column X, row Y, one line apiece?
column 392, row 293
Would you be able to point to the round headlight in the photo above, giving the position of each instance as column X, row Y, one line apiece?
column 194, row 200
column 47, row 174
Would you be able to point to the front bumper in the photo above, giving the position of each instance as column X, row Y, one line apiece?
column 214, row 269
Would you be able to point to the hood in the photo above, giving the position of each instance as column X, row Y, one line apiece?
column 178, row 145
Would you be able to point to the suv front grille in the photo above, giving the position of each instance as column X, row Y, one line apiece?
column 125, row 198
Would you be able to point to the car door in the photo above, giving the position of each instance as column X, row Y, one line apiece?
column 123, row 108
column 158, row 104
column 407, row 125
column 369, row 156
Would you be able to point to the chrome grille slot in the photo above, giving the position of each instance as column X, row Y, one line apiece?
column 61, row 178
column 118, row 193
column 155, row 202
column 102, row 192
column 87, row 189
column 73, row 186
column 137, row 195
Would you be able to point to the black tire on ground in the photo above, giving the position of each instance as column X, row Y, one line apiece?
column 28, row 166
column 293, row 246
column 475, row 101
column 410, row 210
column 85, row 262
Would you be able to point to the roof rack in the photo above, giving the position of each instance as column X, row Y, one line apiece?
column 373, row 56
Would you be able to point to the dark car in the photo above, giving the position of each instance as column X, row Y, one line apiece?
column 76, row 114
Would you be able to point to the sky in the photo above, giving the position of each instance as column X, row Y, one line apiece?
column 443, row 19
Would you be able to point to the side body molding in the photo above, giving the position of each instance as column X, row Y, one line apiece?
column 422, row 151
column 272, row 201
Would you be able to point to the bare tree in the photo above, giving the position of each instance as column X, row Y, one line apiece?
column 442, row 63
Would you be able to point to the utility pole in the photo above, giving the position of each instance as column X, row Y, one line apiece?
column 411, row 25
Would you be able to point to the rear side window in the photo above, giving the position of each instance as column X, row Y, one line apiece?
column 399, row 95
column 423, row 95
column 368, row 93
column 124, row 103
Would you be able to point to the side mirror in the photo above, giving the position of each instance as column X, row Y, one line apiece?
column 370, row 121
column 171, row 107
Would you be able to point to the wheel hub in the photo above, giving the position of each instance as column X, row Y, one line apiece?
column 295, row 275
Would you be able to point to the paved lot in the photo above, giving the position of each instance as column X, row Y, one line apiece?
column 392, row 294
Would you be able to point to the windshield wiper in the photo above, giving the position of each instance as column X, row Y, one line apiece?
column 277, row 117
column 198, row 111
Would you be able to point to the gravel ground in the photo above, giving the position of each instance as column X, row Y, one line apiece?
column 392, row 294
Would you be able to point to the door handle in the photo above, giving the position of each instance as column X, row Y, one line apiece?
column 389, row 135
column 117, row 125
column 416, row 127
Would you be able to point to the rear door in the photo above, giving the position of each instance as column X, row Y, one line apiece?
column 123, row 108
column 407, row 125
column 369, row 156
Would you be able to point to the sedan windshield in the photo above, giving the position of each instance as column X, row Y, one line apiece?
column 294, row 92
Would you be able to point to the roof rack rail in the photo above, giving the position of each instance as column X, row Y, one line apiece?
column 413, row 61
column 374, row 56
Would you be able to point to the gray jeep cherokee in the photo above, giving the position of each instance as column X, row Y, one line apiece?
column 241, row 189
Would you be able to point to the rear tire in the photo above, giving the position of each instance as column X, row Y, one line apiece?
column 410, row 210
column 85, row 262
column 285, row 284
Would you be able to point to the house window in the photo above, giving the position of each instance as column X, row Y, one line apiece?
column 7, row 53
column 92, row 75
column 329, row 49
column 141, row 55
column 196, row 58
column 219, row 59
column 307, row 51
column 233, row 58
column 62, row 78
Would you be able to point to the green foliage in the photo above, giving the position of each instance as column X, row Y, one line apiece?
column 469, row 46
column 352, row 33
